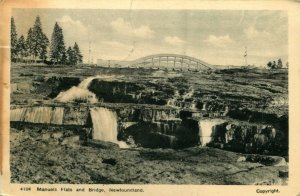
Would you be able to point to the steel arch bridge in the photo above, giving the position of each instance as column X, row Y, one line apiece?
column 174, row 61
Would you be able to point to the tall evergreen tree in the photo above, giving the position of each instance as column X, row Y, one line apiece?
column 279, row 64
column 29, row 43
column 274, row 66
column 13, row 40
column 57, row 47
column 77, row 53
column 269, row 65
column 64, row 57
column 44, row 45
column 70, row 56
column 39, row 41
column 22, row 48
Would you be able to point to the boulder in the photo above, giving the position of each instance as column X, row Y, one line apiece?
column 102, row 144
column 57, row 135
column 45, row 136
column 283, row 173
column 241, row 159
column 110, row 161
column 73, row 140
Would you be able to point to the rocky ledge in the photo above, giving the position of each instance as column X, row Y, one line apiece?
column 67, row 160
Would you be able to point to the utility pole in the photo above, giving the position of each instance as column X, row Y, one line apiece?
column 89, row 52
column 245, row 56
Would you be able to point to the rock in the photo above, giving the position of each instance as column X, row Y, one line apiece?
column 241, row 159
column 102, row 144
column 110, row 161
column 228, row 127
column 283, row 174
column 46, row 136
column 70, row 140
column 279, row 161
column 57, row 135
column 267, row 160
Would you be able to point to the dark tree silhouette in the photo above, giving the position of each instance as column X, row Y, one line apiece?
column 22, row 48
column 57, row 47
column 13, row 40
column 77, row 53
column 279, row 64
column 39, row 41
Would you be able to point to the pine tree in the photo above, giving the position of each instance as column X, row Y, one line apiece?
column 274, row 66
column 40, row 41
column 29, row 43
column 13, row 41
column 64, row 57
column 269, row 65
column 22, row 48
column 70, row 56
column 279, row 64
column 77, row 53
column 44, row 45
column 57, row 47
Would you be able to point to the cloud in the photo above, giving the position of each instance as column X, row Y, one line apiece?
column 174, row 40
column 251, row 32
column 114, row 44
column 74, row 30
column 123, row 27
column 74, row 25
column 219, row 41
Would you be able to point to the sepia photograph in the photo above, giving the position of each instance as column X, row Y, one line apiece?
column 149, row 97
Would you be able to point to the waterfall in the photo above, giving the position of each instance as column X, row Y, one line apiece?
column 38, row 115
column 207, row 129
column 204, row 106
column 79, row 93
column 193, row 106
column 172, row 102
column 86, row 82
column 46, row 115
column 57, row 116
column 105, row 125
column 17, row 114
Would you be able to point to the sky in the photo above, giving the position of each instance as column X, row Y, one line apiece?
column 215, row 36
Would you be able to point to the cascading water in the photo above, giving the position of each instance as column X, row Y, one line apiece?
column 86, row 82
column 38, row 115
column 207, row 129
column 57, row 116
column 17, row 114
column 105, row 125
column 46, row 115
column 79, row 93
column 204, row 106
column 172, row 102
column 193, row 106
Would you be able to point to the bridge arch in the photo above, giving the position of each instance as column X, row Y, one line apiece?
column 168, row 61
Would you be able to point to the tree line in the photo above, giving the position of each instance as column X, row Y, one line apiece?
column 36, row 47
column 278, row 65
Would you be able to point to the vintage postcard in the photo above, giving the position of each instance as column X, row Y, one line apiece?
column 149, row 97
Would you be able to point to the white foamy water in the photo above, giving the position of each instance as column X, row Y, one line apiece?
column 17, row 114
column 86, row 82
column 57, row 116
column 105, row 125
column 79, row 93
column 207, row 129
column 46, row 115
